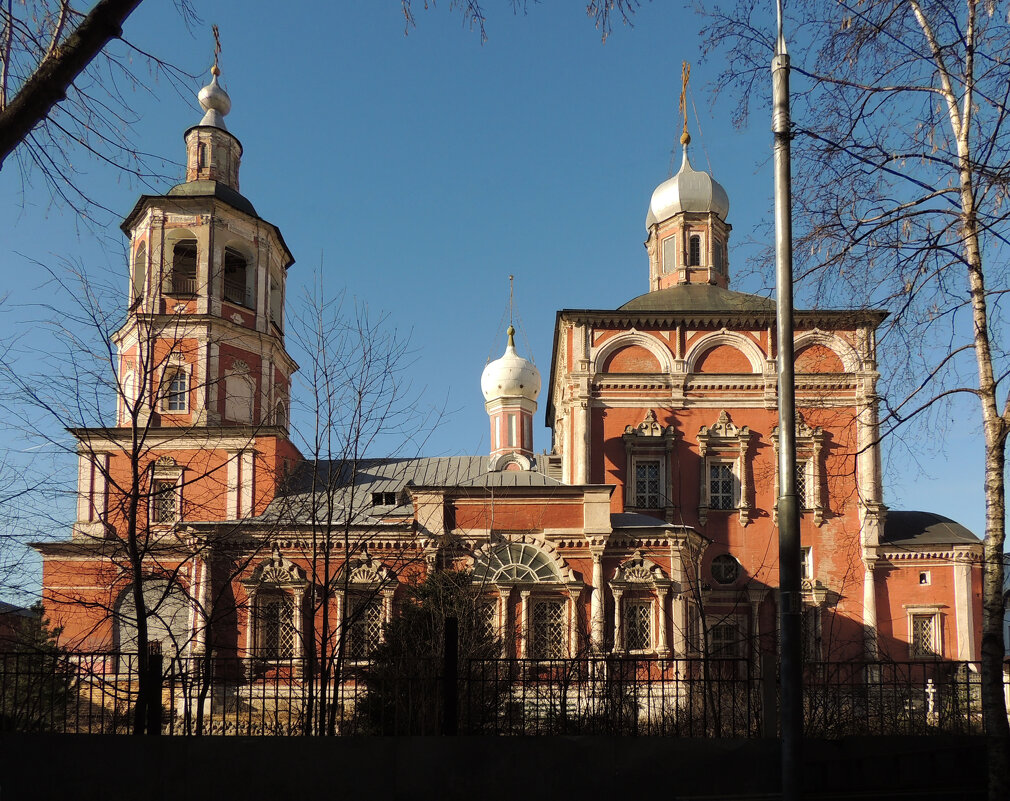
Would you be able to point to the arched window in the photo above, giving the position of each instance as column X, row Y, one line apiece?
column 236, row 277
column 167, row 608
column 184, row 267
column 280, row 414
column 139, row 272
column 694, row 251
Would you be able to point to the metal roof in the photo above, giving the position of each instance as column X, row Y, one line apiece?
column 925, row 528
column 699, row 297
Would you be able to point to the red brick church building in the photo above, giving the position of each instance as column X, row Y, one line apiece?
column 648, row 527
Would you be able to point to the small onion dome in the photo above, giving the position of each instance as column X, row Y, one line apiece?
column 688, row 190
column 215, row 102
column 511, row 376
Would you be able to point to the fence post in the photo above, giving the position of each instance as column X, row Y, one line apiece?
column 155, row 676
column 450, row 678
column 769, row 696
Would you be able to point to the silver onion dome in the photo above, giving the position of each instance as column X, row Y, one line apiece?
column 511, row 376
column 215, row 102
column 688, row 190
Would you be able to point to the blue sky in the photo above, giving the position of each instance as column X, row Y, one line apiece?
column 418, row 172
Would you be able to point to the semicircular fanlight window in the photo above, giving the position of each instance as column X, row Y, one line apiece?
column 516, row 562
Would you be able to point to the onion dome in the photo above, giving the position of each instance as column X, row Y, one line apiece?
column 215, row 102
column 511, row 376
column 688, row 190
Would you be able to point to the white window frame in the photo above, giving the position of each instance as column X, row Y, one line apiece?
column 933, row 612
column 161, row 485
column 555, row 650
column 724, row 442
column 639, row 603
column 734, row 497
column 643, row 459
column 174, row 367
column 806, row 563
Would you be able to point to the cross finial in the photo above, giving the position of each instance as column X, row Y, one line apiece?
column 511, row 298
column 685, row 76
column 216, row 70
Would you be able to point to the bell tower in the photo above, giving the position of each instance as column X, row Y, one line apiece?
column 510, row 385
column 203, row 342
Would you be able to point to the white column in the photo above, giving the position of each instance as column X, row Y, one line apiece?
column 246, row 484
column 596, row 604
column 523, row 626
column 250, row 623
column 297, row 620
column 661, row 645
column 387, row 611
column 618, row 628
column 963, row 611
column 869, row 610
column 231, row 496
column 581, row 456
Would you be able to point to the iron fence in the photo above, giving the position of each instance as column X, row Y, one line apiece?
column 200, row 695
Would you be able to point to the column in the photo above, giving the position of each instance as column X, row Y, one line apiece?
column 246, row 484
column 661, row 645
column 596, row 603
column 869, row 609
column 618, row 628
column 250, row 624
column 523, row 624
column 297, row 620
column 963, row 611
column 231, row 477
column 387, row 610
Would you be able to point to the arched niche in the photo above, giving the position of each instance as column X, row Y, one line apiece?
column 633, row 352
column 729, row 344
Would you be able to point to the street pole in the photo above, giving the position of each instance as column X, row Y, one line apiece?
column 790, row 667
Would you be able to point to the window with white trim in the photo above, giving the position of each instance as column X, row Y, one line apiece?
column 648, row 490
column 275, row 630
column 638, row 625
column 803, row 484
column 724, row 638
column 924, row 641
column 364, row 628
column 722, row 486
column 176, row 397
column 694, row 251
column 547, row 630
column 806, row 563
column 164, row 501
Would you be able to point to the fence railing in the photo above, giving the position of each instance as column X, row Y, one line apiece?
column 99, row 693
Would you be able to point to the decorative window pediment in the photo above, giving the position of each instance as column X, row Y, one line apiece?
column 725, row 468
column 810, row 487
column 635, row 616
column 639, row 571
column 277, row 571
column 647, row 449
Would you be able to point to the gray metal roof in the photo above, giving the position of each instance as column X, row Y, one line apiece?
column 637, row 520
column 925, row 528
column 354, row 482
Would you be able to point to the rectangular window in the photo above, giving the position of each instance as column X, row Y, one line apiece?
column 647, row 484
column 806, row 563
column 724, row 639
column 383, row 499
column 638, row 626
column 721, row 486
column 925, row 636
column 669, row 254
column 177, row 392
column 164, row 502
column 802, row 485
column 512, row 430
column 275, row 629
column 365, row 629
column 548, row 635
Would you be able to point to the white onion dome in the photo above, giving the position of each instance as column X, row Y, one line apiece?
column 688, row 190
column 511, row 376
column 215, row 102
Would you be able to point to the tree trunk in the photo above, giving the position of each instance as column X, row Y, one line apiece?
column 48, row 85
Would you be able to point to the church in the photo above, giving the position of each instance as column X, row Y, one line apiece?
column 647, row 528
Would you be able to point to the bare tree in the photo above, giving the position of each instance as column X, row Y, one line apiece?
column 109, row 378
column 900, row 180
column 357, row 401
column 63, row 90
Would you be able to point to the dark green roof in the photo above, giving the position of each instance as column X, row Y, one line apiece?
column 925, row 528
column 214, row 189
column 699, row 298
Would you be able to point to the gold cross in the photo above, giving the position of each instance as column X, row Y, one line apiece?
column 685, row 76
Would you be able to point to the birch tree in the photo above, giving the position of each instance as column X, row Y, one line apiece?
column 901, row 161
